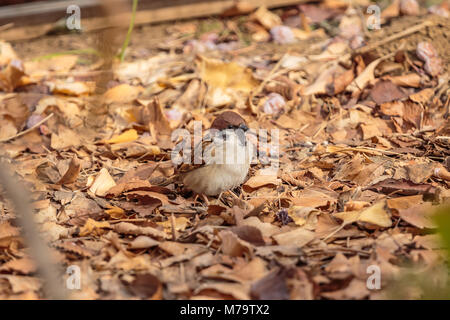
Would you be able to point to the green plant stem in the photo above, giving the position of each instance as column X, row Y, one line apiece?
column 130, row 29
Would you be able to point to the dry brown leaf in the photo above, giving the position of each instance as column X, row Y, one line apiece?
column 65, row 138
column 271, row 287
column 180, row 224
column 419, row 216
column 22, row 266
column 131, row 229
column 305, row 217
column 123, row 262
column 21, row 284
column 375, row 215
column 407, row 80
column 102, row 183
column 404, row 202
column 122, row 93
column 370, row 131
column 266, row 18
column 233, row 246
column 7, row 53
column 145, row 286
column 357, row 289
column 73, row 88
column 267, row 229
column 392, row 108
column 250, row 234
column 143, row 242
column 11, row 75
column 386, row 91
column 420, row 172
column 8, row 234
column 72, row 172
column 298, row 237
column 261, row 180
column 422, row 96
column 365, row 77
column 39, row 68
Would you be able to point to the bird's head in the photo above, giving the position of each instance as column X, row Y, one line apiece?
column 229, row 120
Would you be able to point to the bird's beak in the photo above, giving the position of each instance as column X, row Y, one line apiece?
column 243, row 127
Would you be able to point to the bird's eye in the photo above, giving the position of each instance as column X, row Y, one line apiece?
column 230, row 126
column 243, row 127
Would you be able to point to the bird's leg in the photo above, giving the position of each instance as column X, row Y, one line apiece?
column 204, row 198
column 234, row 195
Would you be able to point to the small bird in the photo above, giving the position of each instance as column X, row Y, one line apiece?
column 226, row 157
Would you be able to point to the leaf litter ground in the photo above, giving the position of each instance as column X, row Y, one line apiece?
column 364, row 156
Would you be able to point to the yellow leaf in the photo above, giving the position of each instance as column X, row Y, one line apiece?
column 180, row 224
column 127, row 136
column 218, row 74
column 122, row 93
column 376, row 215
column 93, row 227
column 115, row 212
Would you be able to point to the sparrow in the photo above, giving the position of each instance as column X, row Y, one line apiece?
column 221, row 161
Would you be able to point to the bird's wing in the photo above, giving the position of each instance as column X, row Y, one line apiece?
column 199, row 155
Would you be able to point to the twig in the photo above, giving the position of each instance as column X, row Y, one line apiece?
column 364, row 149
column 174, row 230
column 267, row 79
column 396, row 36
column 28, row 130
column 270, row 75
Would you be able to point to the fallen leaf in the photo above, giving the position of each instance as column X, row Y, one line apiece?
column 266, row 18
column 419, row 216
column 232, row 245
column 127, row 136
column 365, row 77
column 95, row 228
column 261, row 180
column 422, row 96
column 298, row 237
column 145, row 286
column 392, row 108
column 22, row 266
column 271, row 287
column 386, row 91
column 72, row 172
column 102, row 183
column 374, row 215
column 131, row 229
column 122, row 93
column 143, row 242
